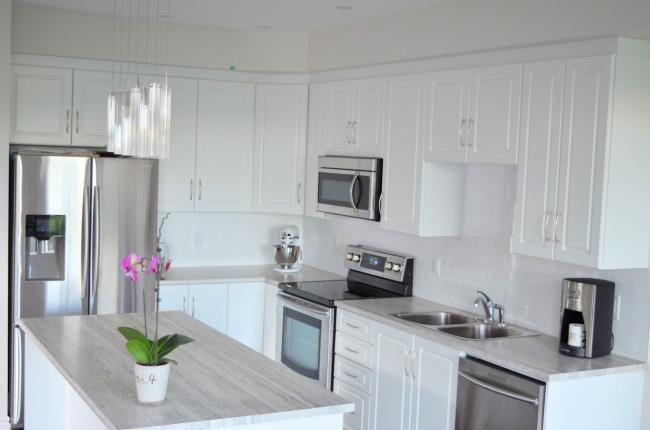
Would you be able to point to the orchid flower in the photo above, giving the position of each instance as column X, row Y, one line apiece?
column 131, row 265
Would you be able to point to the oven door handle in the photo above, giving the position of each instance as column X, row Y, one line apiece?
column 355, row 178
column 302, row 306
column 497, row 390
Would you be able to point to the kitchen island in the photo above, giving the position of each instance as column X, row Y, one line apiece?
column 78, row 375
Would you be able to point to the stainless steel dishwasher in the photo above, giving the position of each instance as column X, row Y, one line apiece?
column 493, row 398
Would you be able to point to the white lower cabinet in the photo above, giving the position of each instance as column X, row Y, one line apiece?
column 270, row 320
column 235, row 309
column 410, row 383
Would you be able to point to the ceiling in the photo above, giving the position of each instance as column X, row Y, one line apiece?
column 291, row 15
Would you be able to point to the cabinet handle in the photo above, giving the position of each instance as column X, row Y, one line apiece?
column 193, row 306
column 67, row 121
column 351, row 375
column 547, row 217
column 200, row 189
column 353, row 351
column 406, row 363
column 77, row 121
column 184, row 304
column 413, row 365
column 557, row 218
column 298, row 190
column 356, row 327
column 354, row 132
column 461, row 128
column 349, row 132
column 191, row 189
column 470, row 132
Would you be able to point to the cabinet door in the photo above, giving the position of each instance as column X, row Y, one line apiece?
column 357, row 420
column 405, row 128
column 494, row 114
column 392, row 380
column 209, row 304
column 41, row 106
column 176, row 182
column 368, row 122
column 316, row 136
column 224, row 163
column 173, row 298
column 246, row 314
column 341, row 113
column 449, row 98
column 434, row 372
column 90, row 102
column 280, row 145
column 584, row 137
column 270, row 320
column 539, row 145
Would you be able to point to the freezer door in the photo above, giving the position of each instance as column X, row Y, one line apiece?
column 125, row 205
column 50, row 225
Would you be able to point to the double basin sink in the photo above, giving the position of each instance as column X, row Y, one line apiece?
column 462, row 326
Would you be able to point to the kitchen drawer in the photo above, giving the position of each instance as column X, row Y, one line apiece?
column 354, row 349
column 359, row 419
column 356, row 326
column 353, row 374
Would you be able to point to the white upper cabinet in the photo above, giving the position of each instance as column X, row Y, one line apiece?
column 316, row 135
column 493, row 123
column 90, row 102
column 224, row 153
column 176, row 181
column 41, row 106
column 280, row 145
column 539, row 146
column 588, row 206
column 449, row 98
column 355, row 118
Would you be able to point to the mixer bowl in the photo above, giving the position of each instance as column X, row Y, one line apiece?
column 286, row 255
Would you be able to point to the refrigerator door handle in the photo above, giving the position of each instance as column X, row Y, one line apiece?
column 96, row 234
column 17, row 377
column 85, row 252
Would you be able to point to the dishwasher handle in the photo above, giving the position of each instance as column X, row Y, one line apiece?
column 501, row 391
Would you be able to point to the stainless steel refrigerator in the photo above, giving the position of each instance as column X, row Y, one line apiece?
column 73, row 216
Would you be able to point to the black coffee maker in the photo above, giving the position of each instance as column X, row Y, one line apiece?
column 588, row 304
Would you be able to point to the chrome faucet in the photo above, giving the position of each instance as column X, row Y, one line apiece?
column 494, row 313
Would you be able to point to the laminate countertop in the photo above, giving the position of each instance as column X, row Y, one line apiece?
column 534, row 356
column 258, row 273
column 218, row 382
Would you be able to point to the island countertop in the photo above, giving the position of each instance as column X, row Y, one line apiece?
column 218, row 382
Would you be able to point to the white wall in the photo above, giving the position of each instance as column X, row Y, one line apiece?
column 46, row 31
column 209, row 239
column 5, row 58
column 460, row 26
column 529, row 288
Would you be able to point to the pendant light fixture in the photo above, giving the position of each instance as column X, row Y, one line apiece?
column 139, row 112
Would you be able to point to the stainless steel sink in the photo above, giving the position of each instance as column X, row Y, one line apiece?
column 484, row 331
column 435, row 318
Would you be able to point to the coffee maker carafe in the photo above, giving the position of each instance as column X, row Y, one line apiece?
column 587, row 316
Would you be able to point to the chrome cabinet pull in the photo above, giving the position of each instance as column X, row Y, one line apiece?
column 351, row 375
column 557, row 218
column 184, row 304
column 77, row 121
column 191, row 189
column 348, row 132
column 67, row 121
column 353, row 351
column 298, row 190
column 200, row 189
column 413, row 365
column 406, row 362
column 193, row 306
column 545, row 236
column 356, row 327
column 461, row 128
column 355, row 130
column 470, row 132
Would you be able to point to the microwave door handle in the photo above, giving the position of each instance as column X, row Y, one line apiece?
column 351, row 191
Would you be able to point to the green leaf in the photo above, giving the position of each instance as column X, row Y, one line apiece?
column 130, row 333
column 171, row 343
column 139, row 350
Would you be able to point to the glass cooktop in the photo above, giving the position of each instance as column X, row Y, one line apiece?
column 327, row 292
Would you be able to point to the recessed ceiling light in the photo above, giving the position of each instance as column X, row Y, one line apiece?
column 343, row 7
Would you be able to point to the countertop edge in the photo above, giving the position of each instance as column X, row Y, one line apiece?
column 446, row 341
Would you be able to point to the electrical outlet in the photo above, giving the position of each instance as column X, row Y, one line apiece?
column 436, row 266
column 617, row 307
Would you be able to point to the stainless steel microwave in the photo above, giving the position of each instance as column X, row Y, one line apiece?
column 350, row 186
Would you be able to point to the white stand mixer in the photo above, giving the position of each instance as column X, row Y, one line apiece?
column 287, row 253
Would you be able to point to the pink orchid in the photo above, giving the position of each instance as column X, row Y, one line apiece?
column 153, row 265
column 168, row 265
column 131, row 265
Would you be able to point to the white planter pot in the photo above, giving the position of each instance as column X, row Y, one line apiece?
column 151, row 383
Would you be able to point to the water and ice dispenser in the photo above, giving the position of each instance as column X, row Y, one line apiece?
column 45, row 247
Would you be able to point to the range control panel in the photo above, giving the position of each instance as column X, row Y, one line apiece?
column 379, row 263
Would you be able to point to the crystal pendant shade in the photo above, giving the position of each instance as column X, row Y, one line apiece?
column 139, row 121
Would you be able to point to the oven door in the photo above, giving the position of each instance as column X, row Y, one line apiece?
column 306, row 338
column 348, row 192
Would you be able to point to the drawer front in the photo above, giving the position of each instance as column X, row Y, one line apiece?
column 353, row 325
column 353, row 374
column 359, row 419
column 354, row 349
